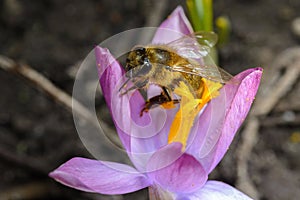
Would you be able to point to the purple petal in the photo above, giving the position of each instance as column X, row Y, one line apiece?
column 175, row 171
column 143, row 148
column 110, row 72
column 99, row 177
column 222, row 118
column 174, row 27
column 215, row 190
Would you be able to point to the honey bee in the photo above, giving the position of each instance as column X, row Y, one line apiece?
column 185, row 59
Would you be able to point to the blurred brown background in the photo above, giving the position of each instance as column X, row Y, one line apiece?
column 52, row 36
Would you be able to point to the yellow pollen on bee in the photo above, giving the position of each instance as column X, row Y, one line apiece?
column 168, row 105
column 189, row 109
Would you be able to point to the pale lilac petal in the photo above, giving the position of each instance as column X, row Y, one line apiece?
column 175, row 171
column 110, row 72
column 142, row 148
column 111, row 76
column 174, row 27
column 215, row 133
column 99, row 177
column 215, row 190
column 147, row 133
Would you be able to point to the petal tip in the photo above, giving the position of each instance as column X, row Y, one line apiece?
column 99, row 52
column 258, row 70
column 177, row 23
column 179, row 10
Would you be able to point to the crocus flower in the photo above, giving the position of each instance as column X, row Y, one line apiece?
column 161, row 165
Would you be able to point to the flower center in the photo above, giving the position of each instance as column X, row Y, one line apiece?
column 189, row 108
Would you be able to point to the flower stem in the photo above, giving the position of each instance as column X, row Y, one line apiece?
column 201, row 14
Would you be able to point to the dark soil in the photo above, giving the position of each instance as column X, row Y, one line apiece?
column 52, row 36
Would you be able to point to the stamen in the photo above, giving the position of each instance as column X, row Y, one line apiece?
column 190, row 106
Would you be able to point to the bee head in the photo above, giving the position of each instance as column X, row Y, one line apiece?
column 136, row 57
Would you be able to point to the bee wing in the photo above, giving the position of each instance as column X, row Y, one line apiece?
column 212, row 73
column 196, row 48
column 196, row 45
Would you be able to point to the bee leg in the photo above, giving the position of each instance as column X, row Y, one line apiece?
column 163, row 99
column 169, row 103
column 153, row 102
column 128, row 90
column 166, row 93
column 136, row 85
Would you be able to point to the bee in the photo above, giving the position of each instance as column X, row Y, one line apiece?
column 166, row 65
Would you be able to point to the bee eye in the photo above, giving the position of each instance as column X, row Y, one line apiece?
column 140, row 51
